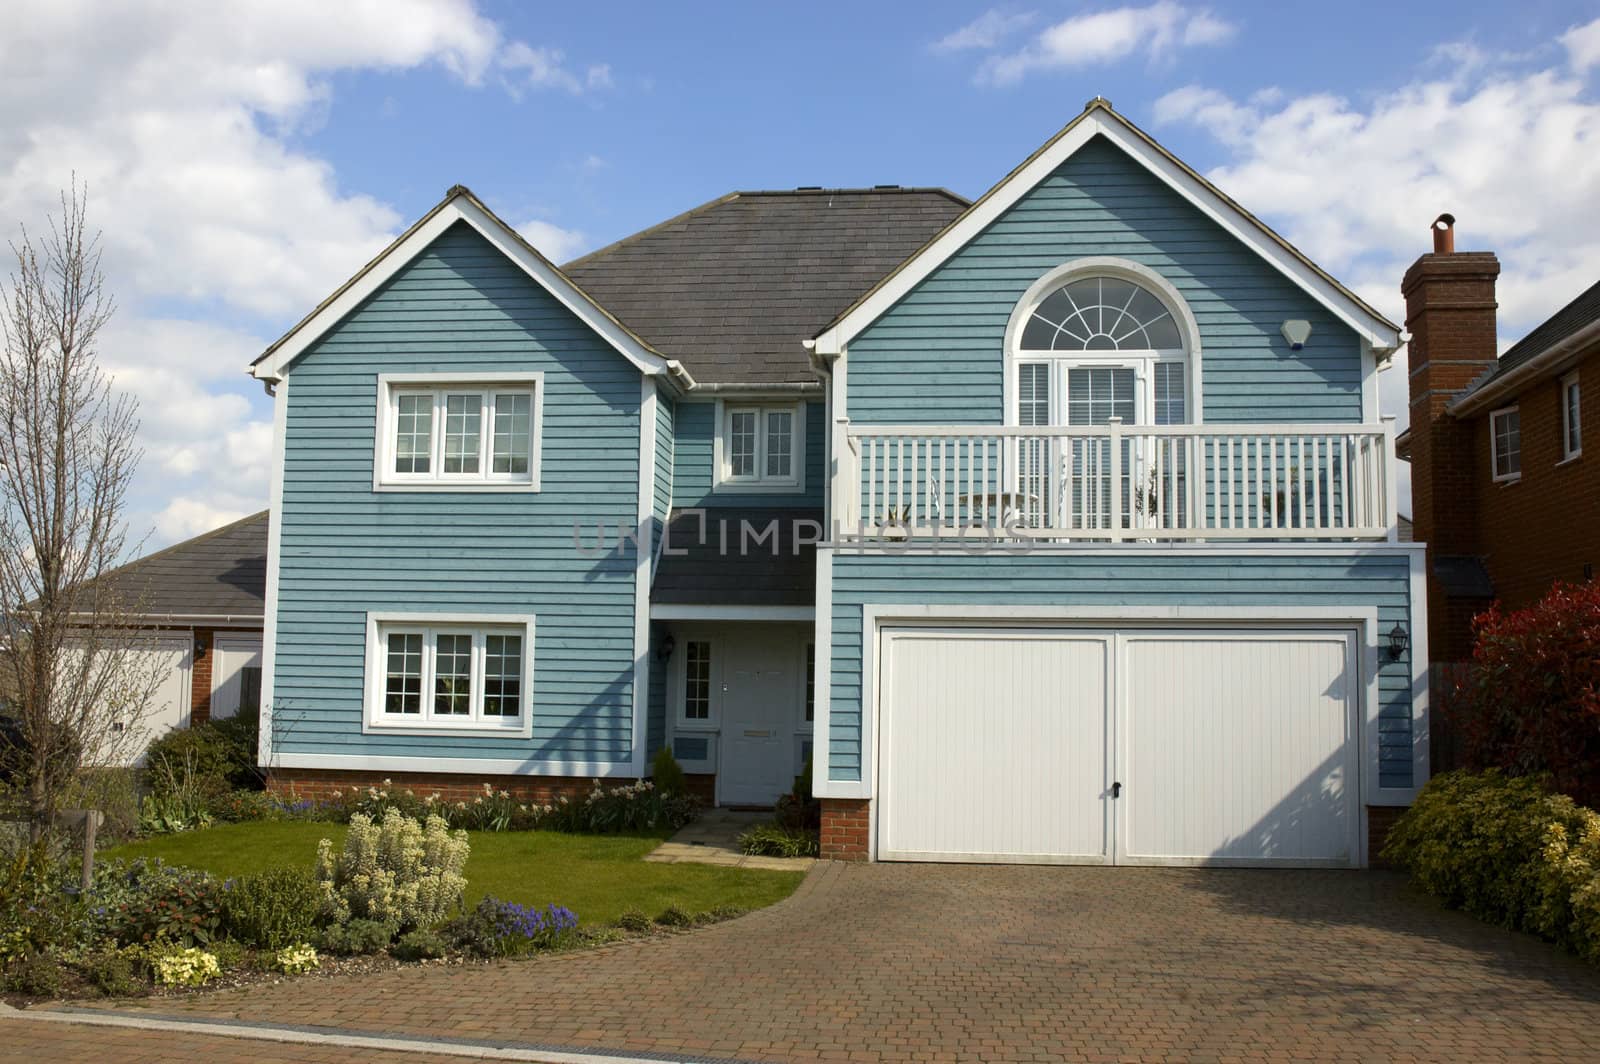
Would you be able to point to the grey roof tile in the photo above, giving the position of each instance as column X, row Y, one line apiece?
column 733, row 287
column 220, row 573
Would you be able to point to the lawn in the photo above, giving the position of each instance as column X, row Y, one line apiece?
column 596, row 876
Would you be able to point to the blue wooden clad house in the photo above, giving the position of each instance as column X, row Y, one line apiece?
column 1057, row 526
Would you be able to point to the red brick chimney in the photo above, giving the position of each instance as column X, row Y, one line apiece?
column 1450, row 313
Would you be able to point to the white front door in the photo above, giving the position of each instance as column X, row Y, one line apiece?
column 230, row 683
column 758, row 714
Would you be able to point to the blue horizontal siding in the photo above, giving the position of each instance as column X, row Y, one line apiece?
column 459, row 306
column 936, row 355
column 1212, row 579
column 695, row 440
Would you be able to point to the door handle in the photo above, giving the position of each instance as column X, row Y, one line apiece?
column 1116, row 790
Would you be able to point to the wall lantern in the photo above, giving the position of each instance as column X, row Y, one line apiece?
column 1297, row 331
column 665, row 648
column 1398, row 641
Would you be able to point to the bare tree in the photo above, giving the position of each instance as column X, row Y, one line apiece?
column 67, row 454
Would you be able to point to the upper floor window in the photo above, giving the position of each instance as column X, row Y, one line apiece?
column 760, row 447
column 458, row 432
column 1571, row 418
column 1101, row 339
column 1505, row 443
column 445, row 672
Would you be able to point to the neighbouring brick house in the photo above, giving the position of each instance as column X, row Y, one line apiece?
column 199, row 605
column 1501, row 493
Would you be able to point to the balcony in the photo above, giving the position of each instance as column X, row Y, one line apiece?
column 1118, row 483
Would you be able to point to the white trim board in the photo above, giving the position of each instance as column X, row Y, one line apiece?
column 269, row 629
column 639, row 740
column 1099, row 120
column 460, row 205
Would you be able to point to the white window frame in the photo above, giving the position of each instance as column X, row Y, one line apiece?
column 682, row 722
column 1570, row 390
column 1494, row 446
column 430, row 626
column 760, row 483
column 393, row 385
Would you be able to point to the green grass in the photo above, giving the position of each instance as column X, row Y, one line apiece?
column 596, row 876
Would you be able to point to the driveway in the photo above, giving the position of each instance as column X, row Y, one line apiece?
column 921, row 962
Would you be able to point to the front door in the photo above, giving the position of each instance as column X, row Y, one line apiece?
column 758, row 713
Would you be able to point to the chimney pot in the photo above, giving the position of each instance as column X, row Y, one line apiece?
column 1444, row 234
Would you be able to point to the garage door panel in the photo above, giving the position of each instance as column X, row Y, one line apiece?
column 1238, row 748
column 994, row 746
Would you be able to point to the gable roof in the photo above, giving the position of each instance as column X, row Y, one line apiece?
column 1585, row 310
column 1098, row 119
column 734, row 286
column 220, row 574
column 459, row 205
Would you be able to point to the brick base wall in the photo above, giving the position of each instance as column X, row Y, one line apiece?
column 703, row 785
column 1380, row 819
column 845, row 828
column 321, row 783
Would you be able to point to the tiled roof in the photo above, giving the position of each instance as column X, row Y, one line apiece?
column 1585, row 310
column 733, row 287
column 220, row 573
column 707, row 566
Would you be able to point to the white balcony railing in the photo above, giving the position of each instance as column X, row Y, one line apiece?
column 1119, row 482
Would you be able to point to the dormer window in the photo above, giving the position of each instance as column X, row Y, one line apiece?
column 449, row 432
column 760, row 447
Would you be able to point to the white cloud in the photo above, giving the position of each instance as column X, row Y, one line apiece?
column 1583, row 46
column 1508, row 147
column 218, row 228
column 986, row 31
column 554, row 243
column 1103, row 37
column 185, row 516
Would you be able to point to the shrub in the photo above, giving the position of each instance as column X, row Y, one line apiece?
column 36, row 974
column 240, row 807
column 420, row 945
column 498, row 928
column 1508, row 851
column 1529, row 702
column 296, row 959
column 636, row 806
column 358, row 936
column 272, row 909
column 36, row 916
column 203, row 760
column 187, row 967
column 113, row 974
column 150, row 901
column 399, row 872
column 667, row 773
column 180, row 809
column 633, row 920
column 776, row 840
column 673, row 916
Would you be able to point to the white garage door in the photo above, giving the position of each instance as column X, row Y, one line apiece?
column 161, row 667
column 1140, row 746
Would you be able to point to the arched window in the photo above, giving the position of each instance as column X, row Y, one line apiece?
column 1102, row 338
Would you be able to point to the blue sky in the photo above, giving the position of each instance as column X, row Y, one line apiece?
column 244, row 161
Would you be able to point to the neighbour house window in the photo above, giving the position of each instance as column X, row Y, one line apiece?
column 458, row 434
column 761, row 448
column 1571, row 418
column 451, row 674
column 1505, row 438
column 697, row 680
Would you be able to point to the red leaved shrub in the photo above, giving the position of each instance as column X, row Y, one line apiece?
column 1529, row 702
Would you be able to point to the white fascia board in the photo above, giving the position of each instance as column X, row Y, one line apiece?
column 1380, row 334
column 543, row 273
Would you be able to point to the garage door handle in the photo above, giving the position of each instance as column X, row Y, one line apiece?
column 1116, row 790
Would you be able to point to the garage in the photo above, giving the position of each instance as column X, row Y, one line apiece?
column 1192, row 745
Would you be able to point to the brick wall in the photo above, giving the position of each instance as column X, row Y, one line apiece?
column 703, row 785
column 321, row 783
column 1545, row 526
column 846, row 828
column 200, row 676
column 1450, row 313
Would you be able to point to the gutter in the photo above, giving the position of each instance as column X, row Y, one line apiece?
column 761, row 388
column 1547, row 361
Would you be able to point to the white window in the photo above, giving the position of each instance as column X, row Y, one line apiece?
column 449, row 673
column 1505, row 442
column 1571, row 418
column 455, row 432
column 760, row 447
column 697, row 680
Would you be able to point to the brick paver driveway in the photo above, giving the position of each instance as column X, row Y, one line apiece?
column 903, row 962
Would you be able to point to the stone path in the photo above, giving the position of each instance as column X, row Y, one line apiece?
column 713, row 838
